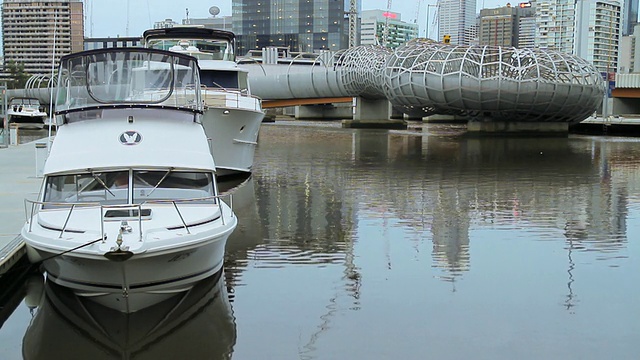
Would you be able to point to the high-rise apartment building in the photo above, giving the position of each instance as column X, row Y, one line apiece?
column 457, row 19
column 598, row 33
column 504, row 26
column 630, row 16
column 300, row 25
column 376, row 24
column 30, row 28
column 555, row 20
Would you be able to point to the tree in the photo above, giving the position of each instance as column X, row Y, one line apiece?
column 17, row 76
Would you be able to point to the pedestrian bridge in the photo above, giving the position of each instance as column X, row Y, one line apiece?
column 422, row 78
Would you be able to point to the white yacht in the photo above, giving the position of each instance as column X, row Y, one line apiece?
column 232, row 116
column 129, row 211
column 26, row 112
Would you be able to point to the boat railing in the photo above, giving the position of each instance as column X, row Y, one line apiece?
column 33, row 207
column 229, row 97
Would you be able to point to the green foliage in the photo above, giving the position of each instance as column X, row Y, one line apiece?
column 17, row 76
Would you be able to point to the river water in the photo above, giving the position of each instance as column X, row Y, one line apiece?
column 417, row 244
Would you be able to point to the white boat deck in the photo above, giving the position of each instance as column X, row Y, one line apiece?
column 18, row 181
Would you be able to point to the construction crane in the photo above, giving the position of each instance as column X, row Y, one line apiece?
column 353, row 23
column 385, row 31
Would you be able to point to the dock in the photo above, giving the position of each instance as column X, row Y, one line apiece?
column 18, row 180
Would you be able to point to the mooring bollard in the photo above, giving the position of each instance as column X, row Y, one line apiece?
column 41, row 158
column 13, row 134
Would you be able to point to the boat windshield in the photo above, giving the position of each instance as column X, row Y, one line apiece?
column 128, row 187
column 202, row 49
column 127, row 76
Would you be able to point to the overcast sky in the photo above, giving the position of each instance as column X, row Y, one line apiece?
column 109, row 17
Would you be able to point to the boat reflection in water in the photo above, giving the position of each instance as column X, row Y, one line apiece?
column 198, row 324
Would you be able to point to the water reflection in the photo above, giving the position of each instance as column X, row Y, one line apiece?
column 315, row 189
column 198, row 325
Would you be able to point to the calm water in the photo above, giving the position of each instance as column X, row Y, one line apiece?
column 418, row 244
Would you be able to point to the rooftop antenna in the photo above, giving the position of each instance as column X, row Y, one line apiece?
column 187, row 14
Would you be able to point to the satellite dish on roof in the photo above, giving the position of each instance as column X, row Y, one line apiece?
column 214, row 10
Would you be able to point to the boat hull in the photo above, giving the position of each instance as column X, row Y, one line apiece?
column 234, row 136
column 153, row 271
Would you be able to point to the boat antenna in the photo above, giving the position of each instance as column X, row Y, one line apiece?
column 51, row 89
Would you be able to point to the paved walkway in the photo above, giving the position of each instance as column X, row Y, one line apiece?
column 18, row 181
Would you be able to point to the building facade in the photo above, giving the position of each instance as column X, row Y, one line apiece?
column 31, row 28
column 630, row 16
column 507, row 26
column 300, row 25
column 457, row 19
column 398, row 32
column 598, row 30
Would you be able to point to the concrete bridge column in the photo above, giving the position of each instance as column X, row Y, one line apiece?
column 373, row 114
column 372, row 109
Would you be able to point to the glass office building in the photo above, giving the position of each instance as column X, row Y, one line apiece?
column 300, row 25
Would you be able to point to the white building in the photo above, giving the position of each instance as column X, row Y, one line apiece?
column 372, row 29
column 457, row 18
column 598, row 33
column 555, row 24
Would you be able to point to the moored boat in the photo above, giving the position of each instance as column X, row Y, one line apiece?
column 26, row 112
column 232, row 116
column 129, row 211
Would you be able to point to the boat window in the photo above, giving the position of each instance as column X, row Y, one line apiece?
column 102, row 187
column 125, row 77
column 167, row 185
column 219, row 79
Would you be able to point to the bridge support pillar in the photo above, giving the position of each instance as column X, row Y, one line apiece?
column 373, row 114
column 514, row 128
column 372, row 109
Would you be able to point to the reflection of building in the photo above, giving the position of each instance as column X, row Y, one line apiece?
column 31, row 28
column 373, row 29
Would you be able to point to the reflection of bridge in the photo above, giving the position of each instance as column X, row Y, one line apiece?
column 422, row 78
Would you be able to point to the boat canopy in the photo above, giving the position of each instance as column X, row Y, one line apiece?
column 128, row 77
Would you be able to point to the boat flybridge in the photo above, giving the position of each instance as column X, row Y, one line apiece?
column 232, row 116
column 129, row 211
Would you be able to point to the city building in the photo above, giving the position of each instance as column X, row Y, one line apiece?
column 374, row 23
column 305, row 26
column 555, row 24
column 166, row 23
column 31, row 28
column 457, row 19
column 220, row 23
column 502, row 26
column 111, row 42
column 630, row 16
column 598, row 32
